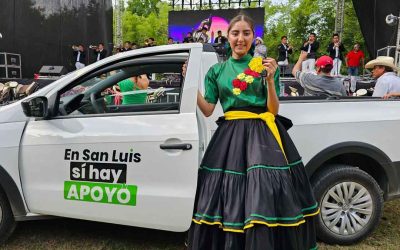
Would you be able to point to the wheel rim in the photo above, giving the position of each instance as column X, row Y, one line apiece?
column 346, row 208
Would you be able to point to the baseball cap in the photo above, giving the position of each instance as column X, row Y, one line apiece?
column 324, row 61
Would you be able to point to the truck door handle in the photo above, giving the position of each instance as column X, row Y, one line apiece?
column 182, row 146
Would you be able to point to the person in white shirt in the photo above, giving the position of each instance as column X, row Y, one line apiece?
column 383, row 69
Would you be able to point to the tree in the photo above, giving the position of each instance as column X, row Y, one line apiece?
column 143, row 7
column 137, row 28
column 297, row 18
column 352, row 31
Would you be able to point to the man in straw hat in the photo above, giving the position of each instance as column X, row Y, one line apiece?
column 383, row 69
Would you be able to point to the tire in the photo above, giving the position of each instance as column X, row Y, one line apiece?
column 7, row 222
column 342, row 219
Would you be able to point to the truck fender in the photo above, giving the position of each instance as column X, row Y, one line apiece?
column 13, row 194
column 365, row 149
column 345, row 148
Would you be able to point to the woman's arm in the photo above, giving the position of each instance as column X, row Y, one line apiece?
column 272, row 99
column 206, row 108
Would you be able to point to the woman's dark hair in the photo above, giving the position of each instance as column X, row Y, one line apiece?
column 241, row 17
column 283, row 37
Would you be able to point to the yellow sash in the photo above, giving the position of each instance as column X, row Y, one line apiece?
column 268, row 117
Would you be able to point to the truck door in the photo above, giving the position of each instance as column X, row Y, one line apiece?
column 111, row 155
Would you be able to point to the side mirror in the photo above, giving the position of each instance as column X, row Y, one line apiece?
column 36, row 107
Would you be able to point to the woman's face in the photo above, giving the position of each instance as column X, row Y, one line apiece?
column 240, row 38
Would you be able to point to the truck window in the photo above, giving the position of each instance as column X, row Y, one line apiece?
column 137, row 88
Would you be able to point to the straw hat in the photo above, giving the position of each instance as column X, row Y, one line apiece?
column 382, row 61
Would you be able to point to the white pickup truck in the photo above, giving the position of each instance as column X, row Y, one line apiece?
column 72, row 150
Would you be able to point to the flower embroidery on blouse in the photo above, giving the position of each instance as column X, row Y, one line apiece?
column 242, row 80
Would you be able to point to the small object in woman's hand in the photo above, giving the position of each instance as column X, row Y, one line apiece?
column 264, row 73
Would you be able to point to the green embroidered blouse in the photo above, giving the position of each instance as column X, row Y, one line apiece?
column 218, row 85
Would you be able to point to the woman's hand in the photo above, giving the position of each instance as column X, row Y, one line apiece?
column 392, row 94
column 270, row 66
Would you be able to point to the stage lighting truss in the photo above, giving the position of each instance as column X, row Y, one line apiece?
column 393, row 20
column 214, row 4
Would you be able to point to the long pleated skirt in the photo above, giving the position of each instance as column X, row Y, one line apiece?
column 250, row 194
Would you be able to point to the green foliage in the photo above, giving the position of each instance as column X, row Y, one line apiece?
column 352, row 32
column 297, row 18
column 137, row 28
column 143, row 7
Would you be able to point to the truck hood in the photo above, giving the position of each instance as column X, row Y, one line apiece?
column 12, row 113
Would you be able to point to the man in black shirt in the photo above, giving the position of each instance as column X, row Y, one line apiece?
column 99, row 52
column 335, row 50
column 188, row 38
column 311, row 46
column 284, row 49
column 220, row 39
column 79, row 56
column 127, row 47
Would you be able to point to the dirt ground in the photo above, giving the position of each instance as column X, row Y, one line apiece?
column 77, row 234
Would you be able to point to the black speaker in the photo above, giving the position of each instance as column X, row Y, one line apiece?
column 3, row 72
column 53, row 70
column 2, row 58
column 13, row 60
column 14, row 72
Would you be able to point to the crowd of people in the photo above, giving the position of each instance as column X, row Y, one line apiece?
column 336, row 50
column 99, row 52
column 316, row 76
column 80, row 55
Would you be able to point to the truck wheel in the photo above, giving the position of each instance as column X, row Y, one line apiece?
column 7, row 222
column 351, row 204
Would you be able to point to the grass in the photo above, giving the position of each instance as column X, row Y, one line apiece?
column 77, row 234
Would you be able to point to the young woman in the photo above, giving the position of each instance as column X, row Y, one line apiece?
column 252, row 192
